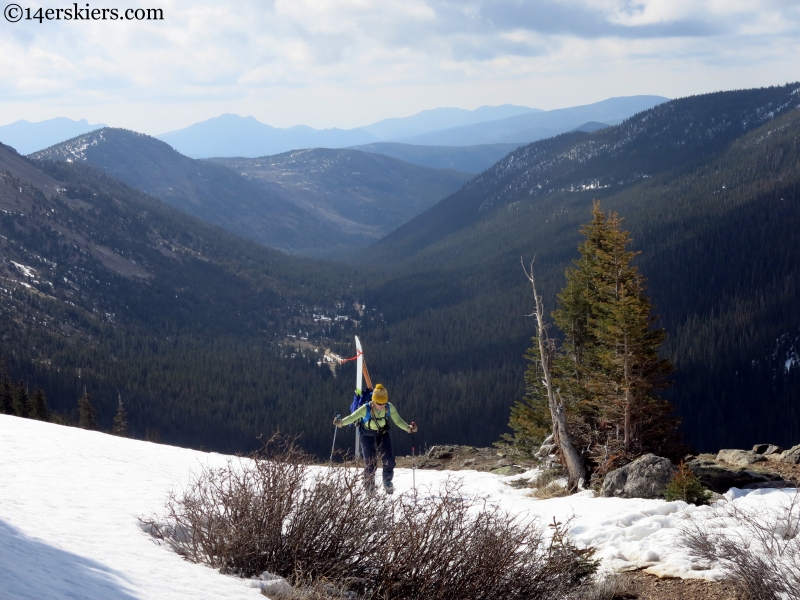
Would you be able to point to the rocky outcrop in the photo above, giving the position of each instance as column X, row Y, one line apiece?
column 646, row 477
column 792, row 456
column 720, row 479
column 739, row 458
column 767, row 449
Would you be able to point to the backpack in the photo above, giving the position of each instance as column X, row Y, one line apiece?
column 360, row 400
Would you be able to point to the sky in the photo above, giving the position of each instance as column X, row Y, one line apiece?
column 347, row 63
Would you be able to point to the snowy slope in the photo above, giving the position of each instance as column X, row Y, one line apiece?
column 69, row 502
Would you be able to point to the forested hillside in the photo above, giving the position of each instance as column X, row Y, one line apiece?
column 709, row 189
column 468, row 159
column 106, row 288
column 309, row 202
column 206, row 190
column 363, row 196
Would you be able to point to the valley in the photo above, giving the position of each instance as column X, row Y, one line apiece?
column 216, row 338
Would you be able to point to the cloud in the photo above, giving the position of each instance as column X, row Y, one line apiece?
column 257, row 53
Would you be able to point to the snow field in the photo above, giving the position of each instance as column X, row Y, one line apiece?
column 70, row 501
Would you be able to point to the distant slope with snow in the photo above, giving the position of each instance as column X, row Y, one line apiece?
column 70, row 501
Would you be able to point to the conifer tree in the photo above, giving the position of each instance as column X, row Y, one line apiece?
column 21, row 401
column 39, row 408
column 608, row 370
column 120, row 420
column 6, row 393
column 87, row 412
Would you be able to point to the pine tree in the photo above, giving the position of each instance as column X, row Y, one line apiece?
column 39, row 408
column 6, row 393
column 21, row 401
column 608, row 370
column 685, row 486
column 120, row 420
column 620, row 364
column 87, row 412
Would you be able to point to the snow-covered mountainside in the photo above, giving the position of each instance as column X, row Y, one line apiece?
column 70, row 501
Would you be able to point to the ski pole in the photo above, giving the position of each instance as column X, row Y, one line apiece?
column 335, row 430
column 413, row 461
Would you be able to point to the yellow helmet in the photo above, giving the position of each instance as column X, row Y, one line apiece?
column 380, row 395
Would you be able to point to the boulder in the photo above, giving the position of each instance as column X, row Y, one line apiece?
column 792, row 455
column 646, row 477
column 441, row 452
column 739, row 458
column 767, row 449
column 720, row 479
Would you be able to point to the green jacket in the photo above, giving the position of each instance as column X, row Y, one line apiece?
column 377, row 417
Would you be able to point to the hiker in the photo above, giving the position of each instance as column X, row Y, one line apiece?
column 373, row 428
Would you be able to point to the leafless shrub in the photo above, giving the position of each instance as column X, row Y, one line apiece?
column 320, row 530
column 272, row 512
column 759, row 548
column 446, row 548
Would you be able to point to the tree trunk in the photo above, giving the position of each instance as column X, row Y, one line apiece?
column 572, row 460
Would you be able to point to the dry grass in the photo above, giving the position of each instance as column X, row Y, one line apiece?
column 554, row 489
column 611, row 587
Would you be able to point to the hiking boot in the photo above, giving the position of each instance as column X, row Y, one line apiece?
column 388, row 487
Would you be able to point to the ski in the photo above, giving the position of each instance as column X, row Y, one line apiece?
column 359, row 373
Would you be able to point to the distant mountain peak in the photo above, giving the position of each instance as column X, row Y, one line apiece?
column 26, row 136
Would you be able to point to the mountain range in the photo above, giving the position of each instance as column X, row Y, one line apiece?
column 216, row 339
column 26, row 137
column 235, row 136
column 311, row 202
column 532, row 126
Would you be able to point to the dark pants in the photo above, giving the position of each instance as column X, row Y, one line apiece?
column 373, row 446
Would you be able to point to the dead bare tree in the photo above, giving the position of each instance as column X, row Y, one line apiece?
column 570, row 458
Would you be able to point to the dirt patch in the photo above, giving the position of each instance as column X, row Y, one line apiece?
column 460, row 458
column 642, row 586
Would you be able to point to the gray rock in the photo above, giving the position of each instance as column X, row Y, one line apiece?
column 646, row 477
column 739, row 458
column 509, row 470
column 441, row 452
column 720, row 479
column 767, row 449
column 792, row 455
column 504, row 462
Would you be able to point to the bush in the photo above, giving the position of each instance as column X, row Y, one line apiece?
column 276, row 512
column 685, row 486
column 757, row 547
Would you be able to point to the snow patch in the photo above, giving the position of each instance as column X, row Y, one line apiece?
column 70, row 501
column 25, row 270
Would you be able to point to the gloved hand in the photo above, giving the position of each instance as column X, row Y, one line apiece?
column 337, row 421
column 412, row 428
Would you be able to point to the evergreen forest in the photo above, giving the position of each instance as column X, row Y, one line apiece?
column 211, row 340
